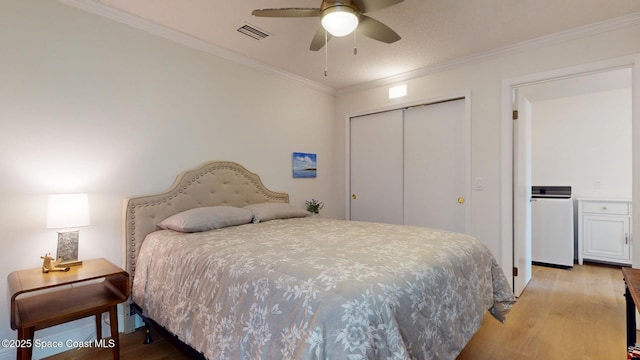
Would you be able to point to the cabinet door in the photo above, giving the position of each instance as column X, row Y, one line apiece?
column 376, row 168
column 606, row 238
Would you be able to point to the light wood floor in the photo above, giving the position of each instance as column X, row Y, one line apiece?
column 131, row 348
column 563, row 314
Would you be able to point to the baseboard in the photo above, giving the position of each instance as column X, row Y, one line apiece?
column 7, row 354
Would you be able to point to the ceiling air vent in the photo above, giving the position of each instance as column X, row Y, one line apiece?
column 253, row 32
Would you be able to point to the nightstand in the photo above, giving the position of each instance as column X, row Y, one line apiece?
column 41, row 300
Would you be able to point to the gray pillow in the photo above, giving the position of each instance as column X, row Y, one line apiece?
column 271, row 211
column 206, row 218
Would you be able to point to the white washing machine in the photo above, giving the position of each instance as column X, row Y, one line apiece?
column 552, row 241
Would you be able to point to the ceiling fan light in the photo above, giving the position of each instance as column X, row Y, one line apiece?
column 339, row 20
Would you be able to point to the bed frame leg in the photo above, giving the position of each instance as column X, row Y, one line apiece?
column 147, row 331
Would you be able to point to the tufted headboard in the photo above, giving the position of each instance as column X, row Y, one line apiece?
column 213, row 183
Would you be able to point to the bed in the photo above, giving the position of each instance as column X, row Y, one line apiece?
column 283, row 285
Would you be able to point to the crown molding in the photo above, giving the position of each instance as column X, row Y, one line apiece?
column 556, row 38
column 100, row 9
column 137, row 22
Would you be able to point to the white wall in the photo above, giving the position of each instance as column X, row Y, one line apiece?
column 584, row 141
column 87, row 104
column 484, row 80
column 91, row 105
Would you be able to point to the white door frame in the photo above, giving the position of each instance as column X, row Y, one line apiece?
column 507, row 199
column 467, row 139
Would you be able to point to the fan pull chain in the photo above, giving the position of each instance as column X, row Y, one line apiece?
column 355, row 44
column 326, row 53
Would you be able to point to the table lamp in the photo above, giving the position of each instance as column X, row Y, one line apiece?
column 68, row 212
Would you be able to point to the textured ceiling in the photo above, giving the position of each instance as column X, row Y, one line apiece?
column 433, row 31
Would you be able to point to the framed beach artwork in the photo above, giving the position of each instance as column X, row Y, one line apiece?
column 304, row 165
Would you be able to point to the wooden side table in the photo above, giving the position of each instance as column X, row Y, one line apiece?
column 40, row 300
column 632, row 299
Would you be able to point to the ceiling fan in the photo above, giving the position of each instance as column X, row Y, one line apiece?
column 340, row 18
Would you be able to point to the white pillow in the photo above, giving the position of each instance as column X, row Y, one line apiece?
column 206, row 218
column 273, row 210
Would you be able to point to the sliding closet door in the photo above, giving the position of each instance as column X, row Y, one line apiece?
column 435, row 166
column 376, row 167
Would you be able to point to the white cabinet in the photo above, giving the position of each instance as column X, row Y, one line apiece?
column 604, row 230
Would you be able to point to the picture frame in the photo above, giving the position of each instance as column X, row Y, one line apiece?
column 305, row 165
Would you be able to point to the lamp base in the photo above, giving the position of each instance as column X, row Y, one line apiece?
column 70, row 263
column 68, row 248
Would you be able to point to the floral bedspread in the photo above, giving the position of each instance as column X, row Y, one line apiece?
column 313, row 288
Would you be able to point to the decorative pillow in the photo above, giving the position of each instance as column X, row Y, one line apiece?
column 206, row 218
column 271, row 211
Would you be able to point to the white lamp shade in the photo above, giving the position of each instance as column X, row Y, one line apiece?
column 67, row 211
column 339, row 20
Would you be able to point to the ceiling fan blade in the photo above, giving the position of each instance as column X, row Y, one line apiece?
column 366, row 6
column 318, row 39
column 376, row 30
column 287, row 12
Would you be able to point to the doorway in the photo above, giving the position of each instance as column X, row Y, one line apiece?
column 517, row 242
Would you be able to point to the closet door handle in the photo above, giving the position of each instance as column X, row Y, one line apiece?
column 353, row 196
column 626, row 239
